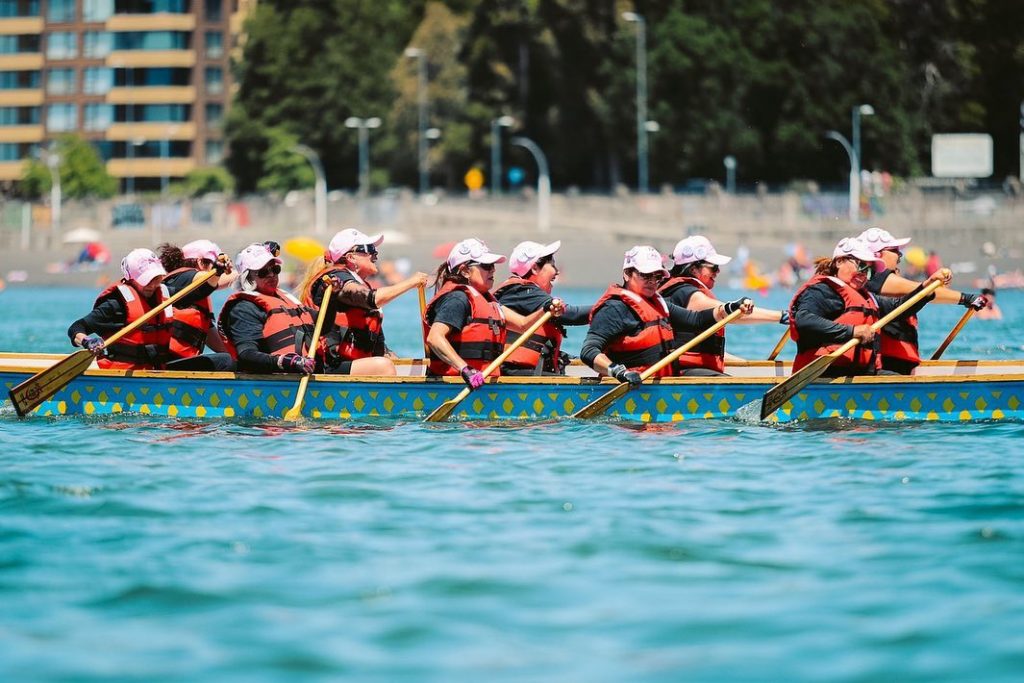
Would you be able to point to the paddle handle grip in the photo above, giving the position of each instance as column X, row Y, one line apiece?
column 151, row 313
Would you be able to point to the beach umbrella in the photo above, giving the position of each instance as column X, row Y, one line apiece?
column 916, row 257
column 304, row 248
column 81, row 236
column 441, row 250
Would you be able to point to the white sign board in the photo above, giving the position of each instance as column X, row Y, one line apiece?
column 962, row 155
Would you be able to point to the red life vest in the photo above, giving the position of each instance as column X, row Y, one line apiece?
column 899, row 340
column 858, row 309
column 191, row 325
column 545, row 344
column 654, row 340
column 356, row 332
column 147, row 347
column 710, row 353
column 480, row 341
column 285, row 316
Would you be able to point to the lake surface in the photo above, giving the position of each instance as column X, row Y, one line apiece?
column 157, row 550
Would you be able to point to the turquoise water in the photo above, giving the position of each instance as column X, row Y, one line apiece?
column 154, row 550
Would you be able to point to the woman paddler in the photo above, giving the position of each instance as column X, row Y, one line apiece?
column 193, row 328
column 899, row 344
column 695, row 269
column 835, row 306
column 529, row 290
column 355, row 336
column 122, row 303
column 465, row 324
column 266, row 328
column 632, row 326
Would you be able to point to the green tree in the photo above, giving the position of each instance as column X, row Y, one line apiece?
column 207, row 180
column 284, row 169
column 82, row 172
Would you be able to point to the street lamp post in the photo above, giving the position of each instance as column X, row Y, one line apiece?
column 854, row 174
column 730, row 174
column 496, row 126
column 364, row 126
column 130, row 179
column 320, row 187
column 543, row 182
column 856, row 112
column 421, row 88
column 641, row 99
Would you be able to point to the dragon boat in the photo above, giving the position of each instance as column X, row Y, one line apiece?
column 951, row 391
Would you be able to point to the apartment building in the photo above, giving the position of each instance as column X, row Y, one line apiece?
column 146, row 81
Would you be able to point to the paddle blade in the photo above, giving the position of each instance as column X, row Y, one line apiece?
column 775, row 397
column 28, row 395
column 295, row 412
column 599, row 406
column 442, row 412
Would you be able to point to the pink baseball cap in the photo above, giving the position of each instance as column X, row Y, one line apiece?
column 855, row 248
column 878, row 239
column 141, row 265
column 643, row 259
column 526, row 254
column 697, row 248
column 346, row 240
column 472, row 250
column 254, row 257
column 201, row 249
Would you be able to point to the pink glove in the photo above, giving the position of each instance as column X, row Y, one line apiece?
column 293, row 362
column 93, row 344
column 474, row 379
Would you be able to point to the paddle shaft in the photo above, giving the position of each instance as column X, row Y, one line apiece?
column 782, row 392
column 953, row 333
column 295, row 412
column 778, row 347
column 423, row 317
column 442, row 412
column 598, row 406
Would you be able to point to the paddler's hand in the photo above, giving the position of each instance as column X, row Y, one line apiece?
column 92, row 343
column 625, row 375
column 419, row 279
column 975, row 301
column 293, row 362
column 864, row 333
column 556, row 306
column 745, row 305
column 222, row 265
column 474, row 379
column 943, row 275
column 784, row 318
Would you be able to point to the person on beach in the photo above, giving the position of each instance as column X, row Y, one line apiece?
column 695, row 269
column 465, row 324
column 122, row 303
column 991, row 310
column 527, row 290
column 835, row 306
column 193, row 328
column 899, row 339
column 632, row 326
column 266, row 328
column 354, row 339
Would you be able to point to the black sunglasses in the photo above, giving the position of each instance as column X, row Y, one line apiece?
column 649, row 277
column 899, row 254
column 482, row 266
column 863, row 266
column 368, row 249
column 710, row 266
column 267, row 271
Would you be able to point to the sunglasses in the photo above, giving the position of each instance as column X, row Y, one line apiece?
column 862, row 266
column 482, row 266
column 267, row 271
column 649, row 277
column 366, row 249
column 711, row 266
column 899, row 254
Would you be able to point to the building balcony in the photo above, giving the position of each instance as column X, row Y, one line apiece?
column 21, row 25
column 26, row 61
column 147, row 58
column 30, row 133
column 160, row 130
column 22, row 97
column 176, row 94
column 152, row 22
column 151, row 168
column 11, row 170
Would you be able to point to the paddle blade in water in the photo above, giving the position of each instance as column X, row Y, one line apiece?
column 442, row 412
column 783, row 391
column 599, row 406
column 28, row 395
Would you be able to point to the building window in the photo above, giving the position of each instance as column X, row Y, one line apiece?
column 157, row 113
column 60, row 10
column 61, row 45
column 158, row 76
column 60, row 81
column 151, row 6
column 214, row 10
column 97, row 10
column 214, row 80
column 214, row 115
column 19, row 8
column 19, row 116
column 214, row 44
column 10, row 151
column 98, row 116
column 62, row 117
column 16, row 45
column 15, row 80
column 151, row 40
column 214, row 152
column 98, row 80
column 97, row 43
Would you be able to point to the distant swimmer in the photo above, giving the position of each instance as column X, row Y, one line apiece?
column 991, row 310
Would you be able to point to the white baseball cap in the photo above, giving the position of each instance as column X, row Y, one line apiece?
column 697, row 248
column 856, row 248
column 141, row 265
column 878, row 239
column 643, row 259
column 201, row 249
column 526, row 254
column 254, row 257
column 346, row 240
column 472, row 250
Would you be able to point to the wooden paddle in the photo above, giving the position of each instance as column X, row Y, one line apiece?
column 423, row 317
column 44, row 384
column 782, row 392
column 442, row 412
column 778, row 347
column 952, row 334
column 295, row 412
column 598, row 406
